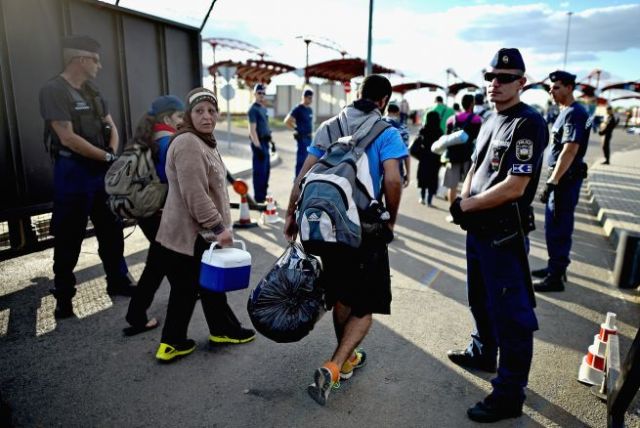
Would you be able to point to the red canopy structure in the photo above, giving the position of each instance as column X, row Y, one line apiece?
column 343, row 70
column 254, row 70
column 406, row 87
column 626, row 86
column 586, row 89
column 454, row 88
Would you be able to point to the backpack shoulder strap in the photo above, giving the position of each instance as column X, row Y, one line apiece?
column 376, row 130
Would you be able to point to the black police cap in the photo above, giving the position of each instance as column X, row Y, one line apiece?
column 508, row 58
column 562, row 76
column 82, row 43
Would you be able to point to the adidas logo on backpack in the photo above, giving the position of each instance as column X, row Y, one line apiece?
column 337, row 193
column 133, row 186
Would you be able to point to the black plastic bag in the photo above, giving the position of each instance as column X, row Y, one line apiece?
column 288, row 301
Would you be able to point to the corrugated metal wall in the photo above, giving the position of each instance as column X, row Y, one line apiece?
column 142, row 57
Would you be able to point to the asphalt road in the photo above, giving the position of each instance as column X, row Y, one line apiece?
column 83, row 372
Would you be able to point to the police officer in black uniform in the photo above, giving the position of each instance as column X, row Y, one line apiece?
column 566, row 171
column 83, row 140
column 495, row 209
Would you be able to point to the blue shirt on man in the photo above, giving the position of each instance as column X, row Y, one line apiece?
column 258, row 115
column 572, row 125
column 304, row 119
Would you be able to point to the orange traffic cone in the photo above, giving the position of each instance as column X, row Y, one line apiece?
column 593, row 364
column 270, row 215
column 245, row 221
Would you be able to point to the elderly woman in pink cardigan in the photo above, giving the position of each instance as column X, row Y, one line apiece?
column 197, row 205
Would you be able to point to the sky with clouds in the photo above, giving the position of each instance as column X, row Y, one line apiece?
column 424, row 38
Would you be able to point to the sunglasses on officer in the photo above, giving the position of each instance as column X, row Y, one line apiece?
column 502, row 77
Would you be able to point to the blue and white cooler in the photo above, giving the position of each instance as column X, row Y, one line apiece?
column 225, row 269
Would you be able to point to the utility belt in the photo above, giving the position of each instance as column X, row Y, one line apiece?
column 574, row 173
column 298, row 136
column 264, row 138
column 501, row 221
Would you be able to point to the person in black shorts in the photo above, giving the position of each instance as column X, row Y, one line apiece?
column 495, row 210
column 357, row 281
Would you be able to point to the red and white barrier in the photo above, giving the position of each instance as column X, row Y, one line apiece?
column 245, row 215
column 270, row 215
column 593, row 364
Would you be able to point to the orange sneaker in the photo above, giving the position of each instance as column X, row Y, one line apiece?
column 325, row 378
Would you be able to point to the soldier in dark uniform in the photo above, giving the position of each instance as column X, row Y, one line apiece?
column 300, row 119
column 260, row 136
column 495, row 209
column 83, row 140
column 566, row 172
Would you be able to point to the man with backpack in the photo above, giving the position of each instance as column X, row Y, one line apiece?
column 353, row 162
column 459, row 156
column 84, row 140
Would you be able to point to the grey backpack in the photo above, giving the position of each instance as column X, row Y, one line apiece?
column 337, row 193
column 133, row 186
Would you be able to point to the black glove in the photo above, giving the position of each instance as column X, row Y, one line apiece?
column 549, row 188
column 459, row 217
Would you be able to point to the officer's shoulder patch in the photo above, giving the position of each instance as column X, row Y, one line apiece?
column 521, row 168
column 524, row 149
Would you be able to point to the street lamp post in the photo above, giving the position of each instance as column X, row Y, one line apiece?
column 566, row 43
column 369, row 69
column 306, row 77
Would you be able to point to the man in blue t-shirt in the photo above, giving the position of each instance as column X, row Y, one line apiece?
column 357, row 285
column 260, row 136
column 300, row 119
column 566, row 171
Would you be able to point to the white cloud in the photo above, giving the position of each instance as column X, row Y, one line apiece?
column 420, row 44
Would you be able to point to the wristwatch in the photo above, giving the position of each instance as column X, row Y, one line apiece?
column 109, row 157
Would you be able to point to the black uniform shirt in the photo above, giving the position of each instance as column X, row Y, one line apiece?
column 510, row 142
column 60, row 102
column 572, row 125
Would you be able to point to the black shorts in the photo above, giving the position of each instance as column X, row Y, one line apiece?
column 358, row 278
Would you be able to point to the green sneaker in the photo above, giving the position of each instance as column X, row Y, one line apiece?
column 167, row 353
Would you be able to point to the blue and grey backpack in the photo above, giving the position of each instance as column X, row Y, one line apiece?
column 337, row 192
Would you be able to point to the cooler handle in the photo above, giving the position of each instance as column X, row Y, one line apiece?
column 235, row 241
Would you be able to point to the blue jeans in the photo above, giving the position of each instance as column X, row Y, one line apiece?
column 502, row 311
column 559, row 218
column 261, row 170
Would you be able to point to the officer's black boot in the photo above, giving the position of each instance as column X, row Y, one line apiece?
column 465, row 359
column 549, row 283
column 542, row 273
column 64, row 307
column 493, row 410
